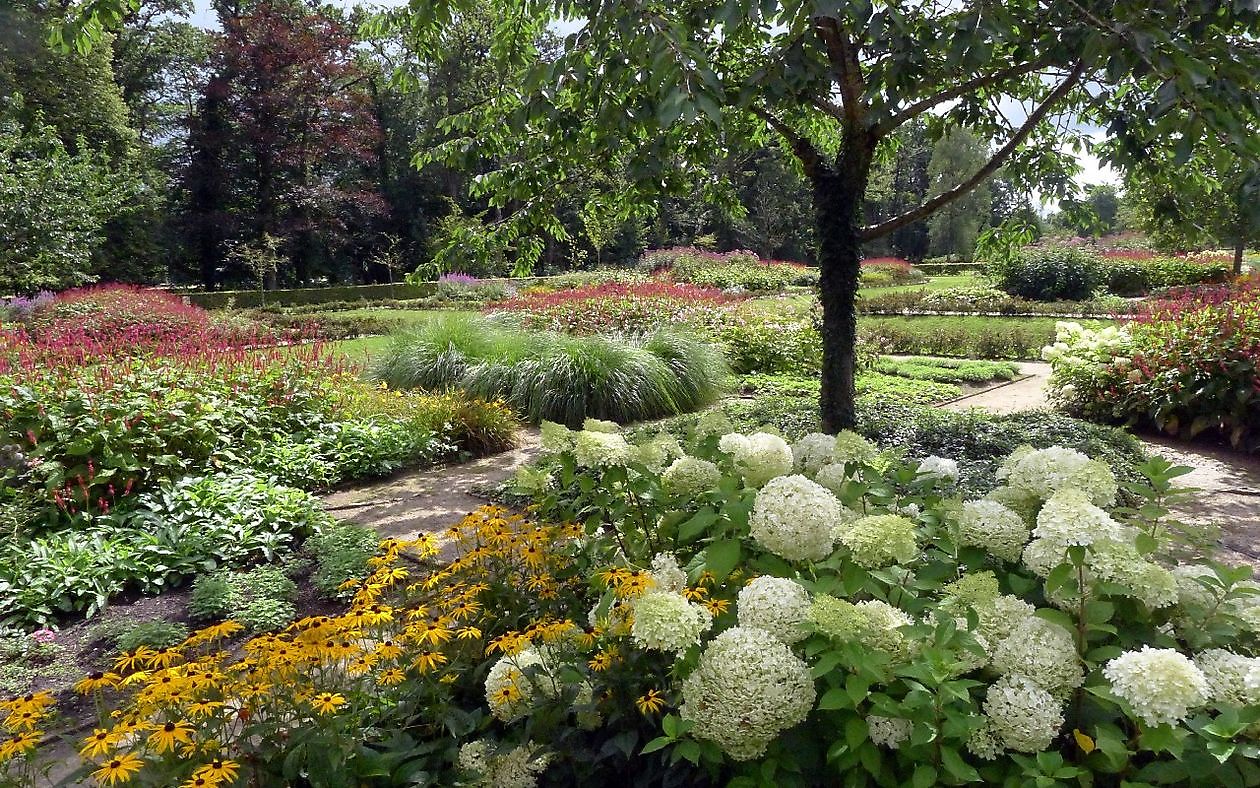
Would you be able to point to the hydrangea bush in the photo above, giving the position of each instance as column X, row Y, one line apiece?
column 749, row 627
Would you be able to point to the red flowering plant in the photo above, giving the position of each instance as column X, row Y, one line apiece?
column 738, row 270
column 619, row 308
column 885, row 271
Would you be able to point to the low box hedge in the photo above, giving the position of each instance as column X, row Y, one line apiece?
column 221, row 299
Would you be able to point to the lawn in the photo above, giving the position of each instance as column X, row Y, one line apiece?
column 947, row 282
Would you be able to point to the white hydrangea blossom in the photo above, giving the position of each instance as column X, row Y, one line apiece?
column 691, row 475
column 873, row 623
column 812, row 452
column 1069, row 518
column 940, row 467
column 596, row 449
column 747, row 688
column 519, row 767
column 999, row 619
column 667, row 574
column 1226, row 674
column 657, row 453
column 880, row 540
column 514, row 670
column 889, row 732
column 599, row 425
column 1120, row 562
column 984, row 742
column 759, row 457
column 1041, row 651
column 993, row 527
column 1022, row 502
column 713, row 422
column 851, row 447
column 666, row 621
column 556, row 438
column 1043, row 471
column 793, row 517
column 1161, row 685
column 1022, row 715
column 832, row 477
column 776, row 604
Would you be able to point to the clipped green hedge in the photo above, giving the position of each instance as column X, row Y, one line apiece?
column 221, row 299
column 936, row 267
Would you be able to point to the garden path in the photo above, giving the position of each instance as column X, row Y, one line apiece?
column 1228, row 482
column 429, row 501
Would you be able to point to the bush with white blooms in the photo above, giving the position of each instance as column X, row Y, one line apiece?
column 825, row 613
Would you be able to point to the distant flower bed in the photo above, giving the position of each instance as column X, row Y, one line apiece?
column 886, row 271
column 1186, row 364
column 623, row 308
column 742, row 270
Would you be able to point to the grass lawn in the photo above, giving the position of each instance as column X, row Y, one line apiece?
column 933, row 283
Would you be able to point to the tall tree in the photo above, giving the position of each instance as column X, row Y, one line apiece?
column 954, row 228
column 666, row 84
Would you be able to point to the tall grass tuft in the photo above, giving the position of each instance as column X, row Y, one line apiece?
column 558, row 377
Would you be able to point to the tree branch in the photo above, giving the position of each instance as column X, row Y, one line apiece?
column 930, row 207
column 844, row 62
column 803, row 148
column 958, row 91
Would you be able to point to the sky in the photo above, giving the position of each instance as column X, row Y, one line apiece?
column 203, row 16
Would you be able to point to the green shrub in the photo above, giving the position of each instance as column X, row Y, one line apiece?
column 1050, row 273
column 972, row 337
column 1133, row 277
column 947, row 370
column 984, row 300
column 154, row 634
column 768, row 346
column 738, row 270
column 556, row 377
column 341, row 553
column 260, row 599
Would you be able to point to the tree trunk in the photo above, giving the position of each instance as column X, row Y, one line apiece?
column 1240, row 248
column 837, row 197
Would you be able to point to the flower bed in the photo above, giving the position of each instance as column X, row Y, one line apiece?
column 1071, row 273
column 621, row 308
column 986, row 301
column 1186, row 364
column 886, row 271
column 728, row 608
column 739, row 270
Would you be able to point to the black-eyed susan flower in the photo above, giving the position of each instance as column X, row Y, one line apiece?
column 95, row 682
column 718, row 606
column 118, row 769
column 328, row 702
column 603, row 660
column 19, row 743
column 134, row 660
column 204, row 708
column 388, row 650
column 218, row 771
column 167, row 736
column 101, row 742
column 391, row 677
column 426, row 661
column 651, row 702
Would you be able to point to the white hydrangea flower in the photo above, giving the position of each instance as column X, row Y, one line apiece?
column 473, row 757
column 812, row 452
column 691, row 475
column 984, row 742
column 667, row 574
column 776, row 604
column 1041, row 651
column 851, row 447
column 713, row 422
column 832, row 477
column 513, row 670
column 940, row 467
column 1120, row 562
column 873, row 623
column 889, row 732
column 1009, row 464
column 666, row 621
column 880, row 540
column 1043, row 471
column 519, row 767
column 597, row 449
column 793, row 517
column 746, row 690
column 1160, row 685
column 657, row 453
column 1097, row 481
column 1000, row 618
column 1226, row 674
column 759, row 457
column 599, row 425
column 910, row 510
column 993, row 527
column 1021, row 502
column 556, row 438
column 1068, row 518
column 1023, row 716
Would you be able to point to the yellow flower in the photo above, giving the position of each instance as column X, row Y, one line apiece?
column 118, row 769
column 428, row 660
column 35, row 701
column 218, row 771
column 167, row 736
column 391, row 677
column 204, row 708
column 19, row 743
column 718, row 606
column 650, row 703
column 96, row 682
column 134, row 660
column 468, row 633
column 696, row 594
column 508, row 694
column 389, row 650
column 164, row 658
column 99, row 743
column 24, row 720
column 328, row 702
column 603, row 660
column 199, row 782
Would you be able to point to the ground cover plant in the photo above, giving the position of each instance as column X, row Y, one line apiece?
column 554, row 376
column 985, row 300
column 738, row 270
column 947, row 370
column 726, row 608
column 613, row 307
column 1187, row 364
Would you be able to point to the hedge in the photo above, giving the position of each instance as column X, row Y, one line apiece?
column 221, row 299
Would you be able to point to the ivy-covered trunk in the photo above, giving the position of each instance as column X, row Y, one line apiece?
column 837, row 198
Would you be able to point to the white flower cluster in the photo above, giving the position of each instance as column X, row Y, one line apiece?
column 600, row 449
column 667, row 574
column 667, row 621
column 939, row 467
column 657, row 453
column 599, row 425
column 1120, row 562
column 873, row 623
column 1042, row 652
column 1022, row 715
column 793, row 518
column 1160, row 685
column 812, row 452
column 759, row 457
column 880, row 540
column 851, row 447
column 519, row 767
column 1080, row 352
column 747, row 688
column 1069, row 519
column 1226, row 674
column 529, row 673
column 993, row 527
column 691, row 475
column 889, row 732
column 1043, row 472
column 556, row 438
column 776, row 604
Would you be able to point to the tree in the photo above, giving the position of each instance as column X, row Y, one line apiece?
column 954, row 228
column 669, row 86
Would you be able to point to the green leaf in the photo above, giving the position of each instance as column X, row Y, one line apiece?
column 720, row 558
